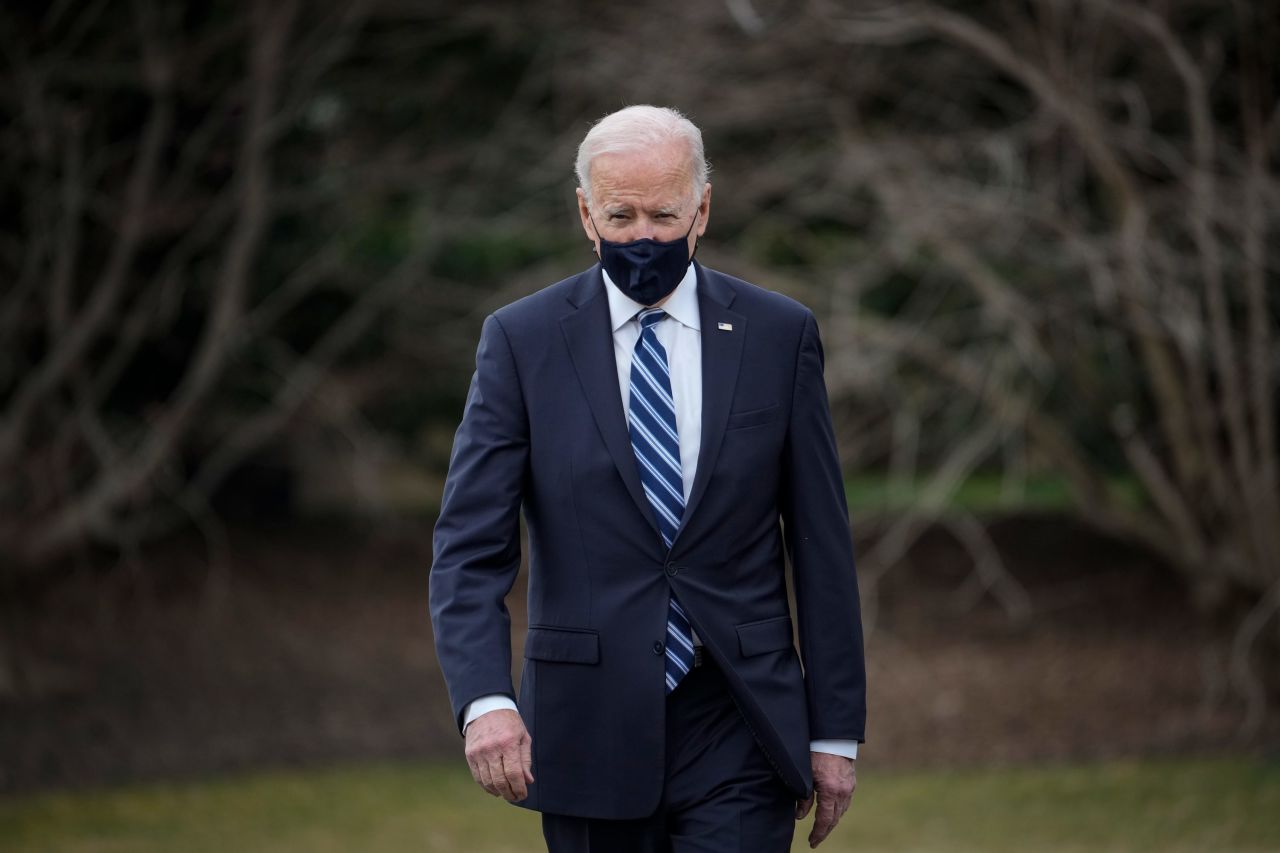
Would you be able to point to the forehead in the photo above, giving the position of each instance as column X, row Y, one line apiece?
column 662, row 175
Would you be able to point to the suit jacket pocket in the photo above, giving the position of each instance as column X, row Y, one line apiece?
column 563, row 645
column 765, row 635
column 753, row 417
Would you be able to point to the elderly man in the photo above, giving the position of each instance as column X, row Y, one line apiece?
column 665, row 430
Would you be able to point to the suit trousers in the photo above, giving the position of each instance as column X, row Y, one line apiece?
column 720, row 794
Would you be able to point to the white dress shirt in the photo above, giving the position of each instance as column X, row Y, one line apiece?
column 681, row 336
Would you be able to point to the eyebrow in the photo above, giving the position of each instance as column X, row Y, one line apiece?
column 609, row 210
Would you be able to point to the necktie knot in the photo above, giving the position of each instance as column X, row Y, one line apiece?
column 651, row 317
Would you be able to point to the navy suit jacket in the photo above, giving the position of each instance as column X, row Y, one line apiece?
column 544, row 432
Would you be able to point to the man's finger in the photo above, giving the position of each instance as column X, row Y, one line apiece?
column 498, row 777
column 480, row 770
column 824, row 820
column 526, row 757
column 839, row 805
column 475, row 770
column 802, row 808
column 513, row 774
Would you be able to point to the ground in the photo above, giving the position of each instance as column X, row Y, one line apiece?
column 305, row 647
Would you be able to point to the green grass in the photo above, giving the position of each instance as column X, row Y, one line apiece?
column 1226, row 805
column 979, row 493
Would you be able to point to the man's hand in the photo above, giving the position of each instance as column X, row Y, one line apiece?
column 834, row 778
column 499, row 751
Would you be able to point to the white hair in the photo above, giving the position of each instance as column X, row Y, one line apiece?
column 641, row 128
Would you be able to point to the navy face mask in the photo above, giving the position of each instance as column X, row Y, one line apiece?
column 647, row 269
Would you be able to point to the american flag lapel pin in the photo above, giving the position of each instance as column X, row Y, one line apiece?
column 725, row 327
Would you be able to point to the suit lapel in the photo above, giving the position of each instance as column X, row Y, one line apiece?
column 721, row 359
column 589, row 335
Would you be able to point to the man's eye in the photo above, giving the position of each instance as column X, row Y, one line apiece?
column 617, row 216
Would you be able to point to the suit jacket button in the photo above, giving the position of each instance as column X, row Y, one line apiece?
column 672, row 568
column 658, row 648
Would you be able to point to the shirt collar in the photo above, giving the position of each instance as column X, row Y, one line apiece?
column 681, row 307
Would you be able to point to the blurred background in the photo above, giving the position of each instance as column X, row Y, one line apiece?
column 246, row 251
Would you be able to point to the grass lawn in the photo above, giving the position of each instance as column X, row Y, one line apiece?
column 1224, row 805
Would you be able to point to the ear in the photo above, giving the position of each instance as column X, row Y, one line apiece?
column 704, row 209
column 584, row 213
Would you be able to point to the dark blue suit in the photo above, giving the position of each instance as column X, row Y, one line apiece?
column 544, row 432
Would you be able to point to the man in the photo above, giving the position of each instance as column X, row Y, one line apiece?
column 664, row 428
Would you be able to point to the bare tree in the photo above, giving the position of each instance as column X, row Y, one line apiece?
column 1085, row 194
column 155, row 163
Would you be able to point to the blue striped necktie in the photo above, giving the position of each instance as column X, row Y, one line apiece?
column 652, row 422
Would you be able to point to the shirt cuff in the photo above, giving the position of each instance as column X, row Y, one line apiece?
column 847, row 748
column 485, row 704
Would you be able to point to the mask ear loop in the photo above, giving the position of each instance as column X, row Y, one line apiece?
column 596, row 228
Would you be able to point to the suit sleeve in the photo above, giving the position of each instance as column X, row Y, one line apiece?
column 815, row 520
column 477, row 536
